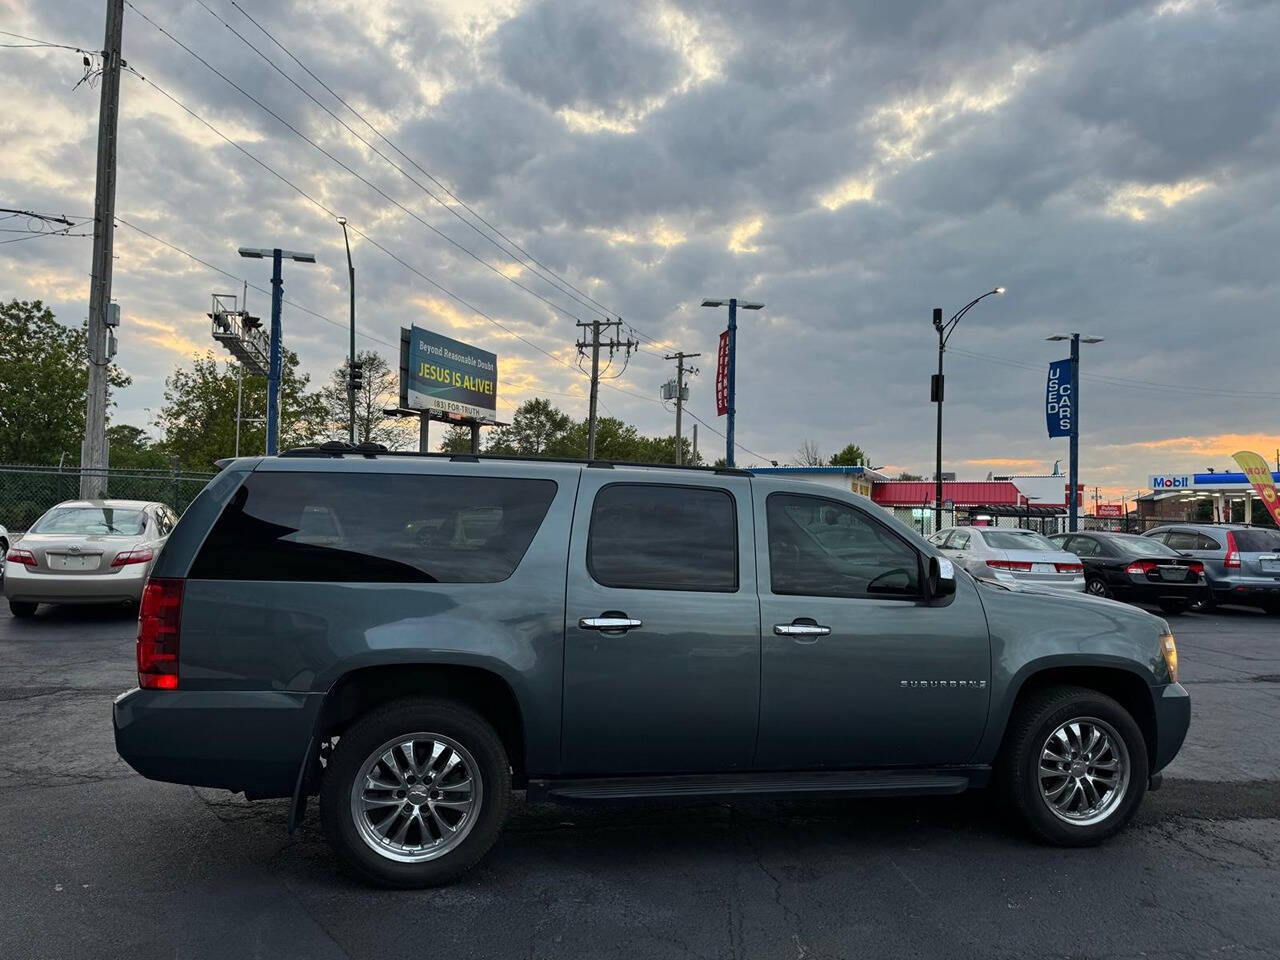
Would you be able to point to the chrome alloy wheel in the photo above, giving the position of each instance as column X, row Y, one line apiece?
column 1084, row 771
column 416, row 797
column 1096, row 587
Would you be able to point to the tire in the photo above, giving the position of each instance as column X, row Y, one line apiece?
column 1206, row 604
column 425, row 854
column 1272, row 607
column 23, row 608
column 1175, row 608
column 1038, row 719
column 1097, row 587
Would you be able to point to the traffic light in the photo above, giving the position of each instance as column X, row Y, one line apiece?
column 357, row 377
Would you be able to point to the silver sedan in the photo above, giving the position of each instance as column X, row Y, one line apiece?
column 1014, row 557
column 86, row 551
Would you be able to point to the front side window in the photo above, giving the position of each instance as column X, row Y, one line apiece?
column 648, row 536
column 823, row 548
column 374, row 528
column 92, row 521
column 959, row 540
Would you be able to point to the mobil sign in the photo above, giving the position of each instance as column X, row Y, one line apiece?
column 1170, row 482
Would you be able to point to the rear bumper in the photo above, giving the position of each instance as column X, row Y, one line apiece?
column 1157, row 591
column 1173, row 718
column 1246, row 590
column 250, row 740
column 125, row 584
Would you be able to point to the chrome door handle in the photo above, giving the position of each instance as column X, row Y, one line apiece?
column 609, row 623
column 801, row 630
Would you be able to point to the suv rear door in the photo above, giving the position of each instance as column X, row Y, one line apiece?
column 857, row 669
column 662, row 625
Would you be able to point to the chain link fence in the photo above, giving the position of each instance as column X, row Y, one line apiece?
column 28, row 491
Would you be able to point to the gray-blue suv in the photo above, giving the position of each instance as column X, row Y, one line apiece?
column 414, row 637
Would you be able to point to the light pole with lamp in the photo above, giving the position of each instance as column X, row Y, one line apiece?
column 1073, row 468
column 351, row 362
column 733, row 303
column 936, row 389
column 277, row 297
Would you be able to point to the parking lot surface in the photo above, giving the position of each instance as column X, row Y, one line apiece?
column 97, row 862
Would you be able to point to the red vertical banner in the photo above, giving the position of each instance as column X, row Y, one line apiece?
column 722, row 376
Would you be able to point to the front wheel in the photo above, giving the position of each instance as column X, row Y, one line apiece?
column 415, row 793
column 1074, row 765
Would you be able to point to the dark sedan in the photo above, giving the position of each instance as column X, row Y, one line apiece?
column 1137, row 569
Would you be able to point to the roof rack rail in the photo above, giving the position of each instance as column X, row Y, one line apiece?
column 338, row 448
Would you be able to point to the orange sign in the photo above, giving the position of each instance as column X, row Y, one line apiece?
column 1258, row 472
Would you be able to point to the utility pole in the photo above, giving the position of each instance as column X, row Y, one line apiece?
column 729, row 364
column 680, row 395
column 595, row 343
column 93, row 451
column 693, row 449
column 351, row 360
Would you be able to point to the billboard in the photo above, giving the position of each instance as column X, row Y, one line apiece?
column 1059, row 399
column 445, row 375
column 1109, row 510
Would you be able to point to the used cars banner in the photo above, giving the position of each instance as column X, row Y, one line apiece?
column 1059, row 399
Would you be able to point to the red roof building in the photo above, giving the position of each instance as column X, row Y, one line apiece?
column 962, row 493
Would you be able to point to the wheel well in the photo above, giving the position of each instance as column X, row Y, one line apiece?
column 1128, row 689
column 359, row 691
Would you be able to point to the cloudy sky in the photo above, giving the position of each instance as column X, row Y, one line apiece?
column 852, row 164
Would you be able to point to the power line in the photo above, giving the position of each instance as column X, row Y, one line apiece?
column 437, row 182
column 35, row 42
column 367, row 182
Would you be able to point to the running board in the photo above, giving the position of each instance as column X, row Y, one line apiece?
column 827, row 783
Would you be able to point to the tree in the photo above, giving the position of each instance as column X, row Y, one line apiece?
column 199, row 412
column 850, row 456
column 904, row 475
column 538, row 429
column 380, row 390
column 457, row 439
column 809, row 455
column 45, row 376
column 132, row 448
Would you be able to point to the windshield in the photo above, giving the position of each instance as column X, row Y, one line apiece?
column 89, row 521
column 1132, row 545
column 1257, row 541
column 1017, row 540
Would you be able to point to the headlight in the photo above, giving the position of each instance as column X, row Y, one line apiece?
column 1169, row 650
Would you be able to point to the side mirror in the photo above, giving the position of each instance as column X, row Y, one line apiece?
column 942, row 578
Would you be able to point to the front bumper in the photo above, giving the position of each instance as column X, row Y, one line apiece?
column 1173, row 718
column 125, row 584
column 250, row 740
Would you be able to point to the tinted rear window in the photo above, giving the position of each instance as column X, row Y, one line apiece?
column 374, row 528
column 649, row 536
column 1257, row 541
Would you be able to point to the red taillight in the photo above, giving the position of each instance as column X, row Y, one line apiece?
column 24, row 557
column 1139, row 567
column 1020, row 565
column 1196, row 568
column 1232, row 559
column 141, row 555
column 159, row 620
column 1069, row 567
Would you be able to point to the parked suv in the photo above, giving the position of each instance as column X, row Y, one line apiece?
column 413, row 637
column 1242, row 563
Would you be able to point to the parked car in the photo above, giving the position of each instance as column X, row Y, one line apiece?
column 86, row 551
column 4, row 540
column 1242, row 563
column 1011, row 556
column 596, row 632
column 1129, row 567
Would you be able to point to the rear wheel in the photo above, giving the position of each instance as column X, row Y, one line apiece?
column 23, row 608
column 415, row 793
column 1175, row 607
column 1074, row 765
column 1272, row 607
column 1097, row 587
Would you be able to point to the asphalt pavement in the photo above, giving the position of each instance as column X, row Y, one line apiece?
column 97, row 862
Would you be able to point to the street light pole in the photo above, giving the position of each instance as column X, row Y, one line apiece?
column 1073, row 470
column 731, row 373
column 274, row 369
column 351, row 362
column 937, row 388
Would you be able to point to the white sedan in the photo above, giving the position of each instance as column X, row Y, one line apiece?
column 86, row 551
column 1011, row 556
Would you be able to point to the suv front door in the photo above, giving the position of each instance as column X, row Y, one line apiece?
column 662, row 626
column 858, row 670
